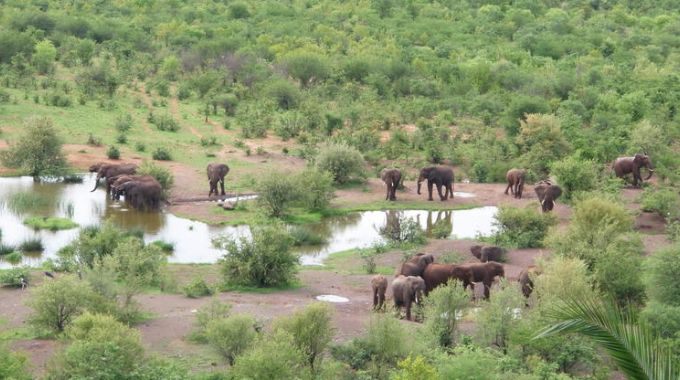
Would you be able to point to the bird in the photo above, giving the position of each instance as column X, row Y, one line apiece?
column 24, row 283
column 49, row 274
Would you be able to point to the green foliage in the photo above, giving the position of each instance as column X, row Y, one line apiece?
column 284, row 94
column 387, row 342
column 663, row 284
column 574, row 175
column 468, row 363
column 136, row 265
column 57, row 303
column 541, row 142
column 26, row 201
column 316, row 187
column 238, row 10
column 161, row 154
column 276, row 193
column 500, row 316
column 272, row 357
column 13, row 258
column 37, row 151
column 231, row 336
column 44, row 56
column 50, row 223
column 211, row 311
column 12, row 277
column 162, row 175
column 197, row 288
column 113, row 153
column 31, row 245
column 123, row 123
column 307, row 68
column 263, row 261
column 311, row 329
column 13, row 366
column 522, row 227
column 617, row 270
column 342, row 161
column 663, row 319
column 92, row 245
column 401, row 229
column 441, row 307
column 415, row 369
column 6, row 249
column 664, row 201
column 164, row 122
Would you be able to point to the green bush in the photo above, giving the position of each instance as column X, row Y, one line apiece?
column 162, row 175
column 307, row 68
column 231, row 336
column 13, row 258
column 32, row 245
column 263, row 261
column 441, row 307
column 12, row 277
column 468, row 363
column 276, row 193
column 213, row 310
column 50, row 223
column 238, row 10
column 121, row 139
column 161, row 154
column 284, row 94
column 140, row 147
column 661, row 268
column 617, row 270
column 272, row 357
column 316, row 189
column 13, row 366
column 664, row 201
column 113, row 153
column 197, row 288
column 123, row 123
column 37, row 151
column 311, row 329
column 164, row 123
column 342, row 161
column 93, row 140
column 499, row 316
column 574, row 175
column 664, row 319
column 6, row 249
column 387, row 343
column 522, row 227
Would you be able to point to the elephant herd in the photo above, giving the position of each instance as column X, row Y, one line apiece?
column 144, row 192
column 419, row 275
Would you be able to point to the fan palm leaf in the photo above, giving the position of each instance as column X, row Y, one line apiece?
column 632, row 346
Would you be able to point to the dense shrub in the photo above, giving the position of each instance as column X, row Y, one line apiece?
column 664, row 201
column 284, row 94
column 13, row 366
column 197, row 288
column 663, row 318
column 663, row 284
column 161, row 154
column 342, row 161
column 13, row 276
column 264, row 260
column 499, row 316
column 307, row 68
column 276, row 193
column 164, row 122
column 311, row 329
column 161, row 174
column 37, row 151
column 231, row 336
column 522, row 227
column 211, row 311
column 272, row 357
column 442, row 306
column 316, row 188
column 617, row 270
column 113, row 153
column 541, row 142
column 574, row 175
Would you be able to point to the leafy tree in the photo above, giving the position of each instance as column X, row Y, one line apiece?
column 276, row 193
column 387, row 342
column 37, row 151
column 541, row 141
column 265, row 260
column 311, row 330
column 415, row 369
column 317, row 188
column 342, row 161
column 307, row 68
column 213, row 310
column 574, row 175
column 231, row 336
column 44, row 56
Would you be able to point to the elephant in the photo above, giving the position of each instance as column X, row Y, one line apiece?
column 216, row 174
column 485, row 273
column 488, row 253
column 143, row 195
column 515, row 179
column 118, row 180
column 626, row 165
column 107, row 171
column 547, row 193
column 416, row 265
column 525, row 279
column 379, row 286
column 439, row 176
column 406, row 290
column 392, row 178
column 438, row 274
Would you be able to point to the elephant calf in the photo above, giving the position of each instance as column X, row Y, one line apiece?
column 525, row 279
column 484, row 273
column 379, row 286
column 406, row 290
column 216, row 174
column 547, row 193
column 416, row 265
column 392, row 178
column 488, row 253
column 515, row 178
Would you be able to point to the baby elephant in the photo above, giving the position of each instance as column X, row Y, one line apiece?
column 488, row 253
column 406, row 290
column 526, row 279
column 379, row 286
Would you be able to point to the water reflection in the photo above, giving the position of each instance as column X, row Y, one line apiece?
column 193, row 240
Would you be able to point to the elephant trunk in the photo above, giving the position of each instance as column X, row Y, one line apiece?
column 96, row 184
column 651, row 171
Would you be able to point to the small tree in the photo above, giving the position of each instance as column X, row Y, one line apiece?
column 522, row 227
column 500, row 315
column 272, row 357
column 231, row 336
column 212, row 311
column 276, row 192
column 44, row 56
column 311, row 329
column 342, row 161
column 318, row 188
column 265, row 260
column 574, row 174
column 387, row 342
column 541, row 141
column 37, row 151
column 442, row 306
column 306, row 68
column 56, row 303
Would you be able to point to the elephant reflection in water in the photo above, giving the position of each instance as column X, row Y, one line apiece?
column 129, row 218
column 442, row 226
column 392, row 228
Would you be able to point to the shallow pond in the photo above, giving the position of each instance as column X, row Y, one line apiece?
column 193, row 240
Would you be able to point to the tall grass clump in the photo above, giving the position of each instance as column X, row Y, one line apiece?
column 32, row 245
column 28, row 202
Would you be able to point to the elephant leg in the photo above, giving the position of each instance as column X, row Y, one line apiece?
column 389, row 191
column 442, row 197
column 375, row 298
column 222, row 186
column 509, row 187
column 381, row 302
column 429, row 190
column 394, row 191
column 408, row 310
column 487, row 287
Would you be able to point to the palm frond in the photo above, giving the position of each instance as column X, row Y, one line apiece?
column 632, row 346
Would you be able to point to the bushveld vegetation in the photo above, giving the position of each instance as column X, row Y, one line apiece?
column 559, row 88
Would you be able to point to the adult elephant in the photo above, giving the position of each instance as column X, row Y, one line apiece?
column 488, row 253
column 216, row 174
column 627, row 165
column 406, row 290
column 440, row 274
column 119, row 180
column 416, row 265
column 484, row 273
column 142, row 195
column 547, row 193
column 515, row 178
column 107, row 171
column 392, row 178
column 439, row 176
column 526, row 279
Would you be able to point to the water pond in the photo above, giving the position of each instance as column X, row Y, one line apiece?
column 193, row 240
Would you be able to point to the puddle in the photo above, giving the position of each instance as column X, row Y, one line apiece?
column 332, row 298
column 193, row 240
column 462, row 194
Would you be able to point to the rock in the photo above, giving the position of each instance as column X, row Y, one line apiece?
column 228, row 205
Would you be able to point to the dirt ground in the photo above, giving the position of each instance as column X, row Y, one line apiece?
column 174, row 315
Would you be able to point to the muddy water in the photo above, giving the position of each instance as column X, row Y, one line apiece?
column 193, row 240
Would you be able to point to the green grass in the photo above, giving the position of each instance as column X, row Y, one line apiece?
column 31, row 245
column 6, row 249
column 253, row 289
column 26, row 202
column 347, row 262
column 13, row 258
column 50, row 223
